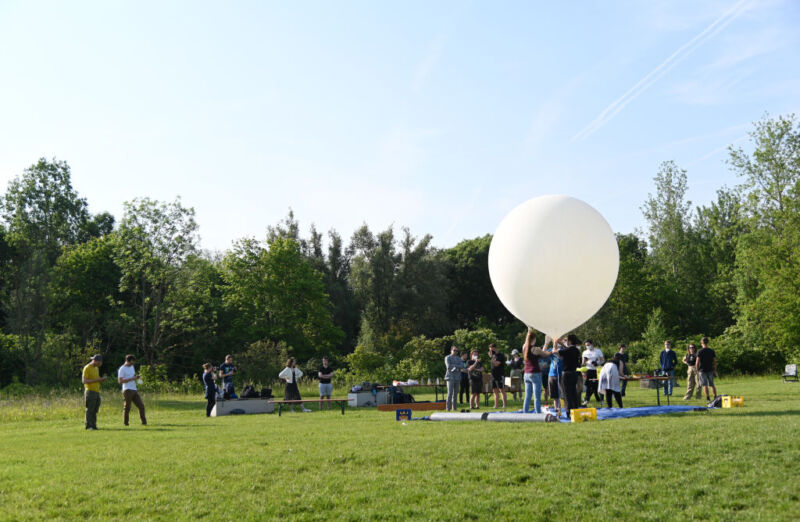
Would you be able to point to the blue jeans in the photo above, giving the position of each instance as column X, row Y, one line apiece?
column 533, row 386
column 669, row 382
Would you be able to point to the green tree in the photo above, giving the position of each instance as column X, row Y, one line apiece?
column 278, row 296
column 624, row 316
column 153, row 241
column 471, row 296
column 768, row 253
column 43, row 214
column 84, row 291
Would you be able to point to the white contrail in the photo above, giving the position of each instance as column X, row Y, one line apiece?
column 675, row 58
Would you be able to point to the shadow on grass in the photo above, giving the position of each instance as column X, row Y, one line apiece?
column 776, row 413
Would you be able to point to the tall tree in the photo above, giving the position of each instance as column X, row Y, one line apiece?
column 624, row 316
column 43, row 213
column 768, row 253
column 676, row 265
column 279, row 297
column 153, row 241
column 471, row 296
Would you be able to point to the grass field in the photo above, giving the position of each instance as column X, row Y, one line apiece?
column 736, row 464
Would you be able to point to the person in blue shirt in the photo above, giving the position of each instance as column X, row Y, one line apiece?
column 227, row 371
column 554, row 379
column 668, row 361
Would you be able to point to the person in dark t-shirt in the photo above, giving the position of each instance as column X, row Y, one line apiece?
column 690, row 360
column 706, row 365
column 498, row 362
column 571, row 360
column 227, row 370
column 475, row 369
column 325, row 374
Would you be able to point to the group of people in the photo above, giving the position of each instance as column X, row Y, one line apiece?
column 569, row 372
column 701, row 368
column 291, row 375
column 464, row 376
column 126, row 376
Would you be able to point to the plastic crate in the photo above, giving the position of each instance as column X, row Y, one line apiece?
column 732, row 401
column 583, row 414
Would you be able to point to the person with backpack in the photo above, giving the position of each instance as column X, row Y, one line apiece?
column 291, row 374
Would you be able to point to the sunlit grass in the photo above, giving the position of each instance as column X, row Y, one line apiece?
column 722, row 465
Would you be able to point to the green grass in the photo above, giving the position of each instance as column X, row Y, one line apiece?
column 722, row 465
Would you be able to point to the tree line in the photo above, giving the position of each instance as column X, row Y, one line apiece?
column 383, row 304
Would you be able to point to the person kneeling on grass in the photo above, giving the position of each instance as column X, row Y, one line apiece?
column 609, row 380
column 290, row 374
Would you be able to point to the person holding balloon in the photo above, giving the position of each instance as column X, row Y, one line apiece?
column 533, row 372
column 571, row 360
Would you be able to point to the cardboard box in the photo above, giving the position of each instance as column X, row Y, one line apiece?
column 513, row 384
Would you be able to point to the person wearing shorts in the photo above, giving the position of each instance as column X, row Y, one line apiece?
column 706, row 365
column 498, row 365
column 475, row 369
column 325, row 375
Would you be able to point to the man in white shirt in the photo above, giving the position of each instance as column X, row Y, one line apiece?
column 126, row 376
column 592, row 359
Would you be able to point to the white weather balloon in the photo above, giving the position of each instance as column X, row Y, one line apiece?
column 553, row 262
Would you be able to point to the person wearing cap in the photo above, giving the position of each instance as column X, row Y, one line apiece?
column 126, row 376
column 91, row 396
column 515, row 364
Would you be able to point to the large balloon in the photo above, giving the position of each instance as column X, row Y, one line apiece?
column 553, row 263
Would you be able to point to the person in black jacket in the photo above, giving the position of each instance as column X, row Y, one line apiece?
column 571, row 360
column 211, row 388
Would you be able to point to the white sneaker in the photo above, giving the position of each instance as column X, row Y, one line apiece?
column 306, row 410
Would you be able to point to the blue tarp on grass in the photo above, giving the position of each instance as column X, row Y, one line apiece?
column 644, row 411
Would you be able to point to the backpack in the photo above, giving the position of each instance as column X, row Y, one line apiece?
column 248, row 392
column 716, row 403
column 266, row 393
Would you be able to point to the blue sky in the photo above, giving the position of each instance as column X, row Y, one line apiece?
column 440, row 116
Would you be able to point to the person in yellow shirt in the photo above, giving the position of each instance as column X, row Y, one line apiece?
column 91, row 395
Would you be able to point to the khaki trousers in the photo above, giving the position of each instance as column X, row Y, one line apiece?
column 132, row 396
column 692, row 383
